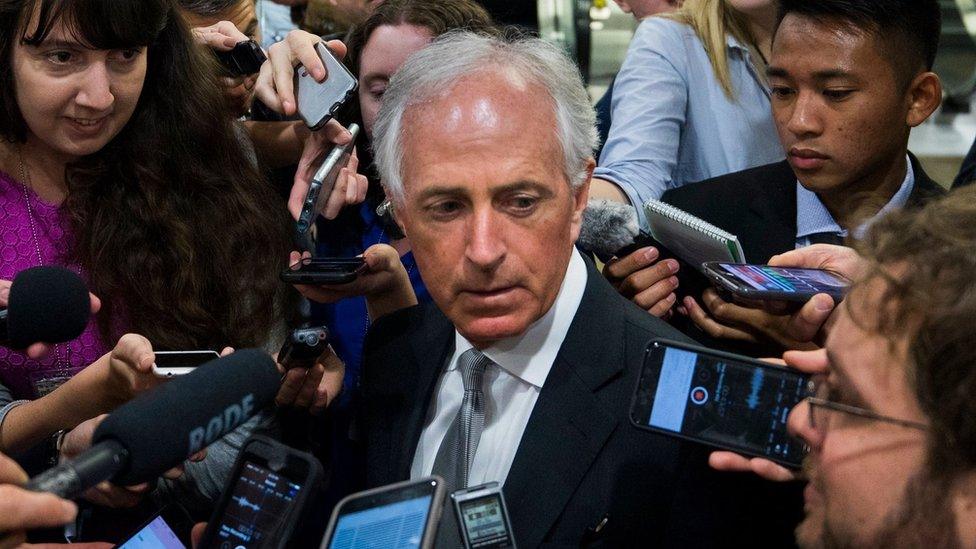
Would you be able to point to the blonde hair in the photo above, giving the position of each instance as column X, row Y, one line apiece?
column 713, row 21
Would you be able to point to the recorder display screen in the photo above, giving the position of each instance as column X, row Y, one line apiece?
column 727, row 403
column 484, row 521
column 258, row 506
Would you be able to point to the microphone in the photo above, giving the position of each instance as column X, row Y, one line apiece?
column 160, row 429
column 46, row 304
column 611, row 229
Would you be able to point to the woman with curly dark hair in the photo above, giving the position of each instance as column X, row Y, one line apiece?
column 118, row 162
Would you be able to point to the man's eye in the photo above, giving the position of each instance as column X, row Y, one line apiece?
column 837, row 95
column 377, row 92
column 781, row 92
column 446, row 208
column 524, row 203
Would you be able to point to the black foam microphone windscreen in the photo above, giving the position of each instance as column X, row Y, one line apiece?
column 46, row 304
column 162, row 428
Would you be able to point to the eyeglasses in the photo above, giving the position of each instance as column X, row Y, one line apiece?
column 820, row 408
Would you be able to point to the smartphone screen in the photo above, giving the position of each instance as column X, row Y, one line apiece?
column 155, row 535
column 483, row 519
column 394, row 517
column 259, row 505
column 764, row 278
column 715, row 399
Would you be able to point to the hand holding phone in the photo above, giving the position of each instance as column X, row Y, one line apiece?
column 720, row 400
column 321, row 187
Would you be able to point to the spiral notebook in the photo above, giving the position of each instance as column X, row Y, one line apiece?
column 692, row 239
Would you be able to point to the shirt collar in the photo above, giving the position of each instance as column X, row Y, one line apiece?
column 812, row 216
column 530, row 356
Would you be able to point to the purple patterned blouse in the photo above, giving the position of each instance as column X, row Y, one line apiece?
column 18, row 251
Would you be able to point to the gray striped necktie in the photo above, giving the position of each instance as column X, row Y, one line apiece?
column 454, row 457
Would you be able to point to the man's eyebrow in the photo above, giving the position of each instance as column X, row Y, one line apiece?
column 852, row 396
column 460, row 190
column 831, row 74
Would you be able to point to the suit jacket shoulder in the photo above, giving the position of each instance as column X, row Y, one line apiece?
column 757, row 205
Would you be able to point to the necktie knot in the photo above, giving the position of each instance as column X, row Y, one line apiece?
column 473, row 364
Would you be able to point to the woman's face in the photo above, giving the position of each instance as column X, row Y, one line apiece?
column 75, row 99
column 386, row 50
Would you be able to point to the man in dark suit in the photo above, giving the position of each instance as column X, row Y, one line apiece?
column 523, row 368
column 849, row 81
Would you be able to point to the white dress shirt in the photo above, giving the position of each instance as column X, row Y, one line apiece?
column 521, row 366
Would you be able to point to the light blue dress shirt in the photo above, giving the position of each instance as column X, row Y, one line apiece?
column 812, row 217
column 672, row 123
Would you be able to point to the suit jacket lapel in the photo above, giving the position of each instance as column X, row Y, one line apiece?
column 570, row 423
column 774, row 203
column 413, row 385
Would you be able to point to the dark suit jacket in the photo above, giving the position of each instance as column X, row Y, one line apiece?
column 579, row 459
column 759, row 205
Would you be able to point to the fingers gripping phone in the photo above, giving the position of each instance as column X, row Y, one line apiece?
column 764, row 282
column 319, row 102
column 176, row 363
column 264, row 499
column 321, row 185
column 405, row 514
column 303, row 346
column 720, row 400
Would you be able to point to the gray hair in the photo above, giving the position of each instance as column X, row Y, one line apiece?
column 430, row 73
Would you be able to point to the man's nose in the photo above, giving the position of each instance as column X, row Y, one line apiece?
column 799, row 425
column 805, row 116
column 95, row 92
column 486, row 247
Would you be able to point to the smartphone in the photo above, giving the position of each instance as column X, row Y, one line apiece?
column 303, row 346
column 405, row 514
column 324, row 270
column 318, row 102
column 176, row 363
column 244, row 59
column 721, row 400
column 160, row 531
column 763, row 282
column 265, row 497
column 321, row 185
column 483, row 517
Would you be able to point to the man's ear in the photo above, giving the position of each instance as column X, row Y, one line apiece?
column 924, row 97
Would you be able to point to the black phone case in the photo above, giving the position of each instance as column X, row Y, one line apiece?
column 245, row 59
column 636, row 422
column 337, row 275
column 310, row 486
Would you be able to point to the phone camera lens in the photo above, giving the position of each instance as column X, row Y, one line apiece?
column 311, row 339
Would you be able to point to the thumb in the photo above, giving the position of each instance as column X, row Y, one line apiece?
column 806, row 323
